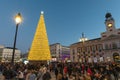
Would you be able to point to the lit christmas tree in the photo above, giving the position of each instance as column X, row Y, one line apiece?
column 40, row 50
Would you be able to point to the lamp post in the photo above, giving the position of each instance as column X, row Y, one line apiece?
column 78, row 57
column 83, row 39
column 18, row 20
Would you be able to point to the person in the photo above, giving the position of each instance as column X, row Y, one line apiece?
column 56, row 72
column 59, row 76
column 65, row 70
column 20, row 75
column 64, row 77
column 83, row 68
column 8, row 73
column 89, row 71
column 71, row 77
column 2, row 77
column 70, row 70
column 30, row 75
column 88, row 77
column 97, row 74
column 40, row 74
column 46, row 74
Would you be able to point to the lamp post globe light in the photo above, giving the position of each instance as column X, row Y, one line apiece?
column 18, row 20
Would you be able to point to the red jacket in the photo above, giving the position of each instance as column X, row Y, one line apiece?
column 89, row 71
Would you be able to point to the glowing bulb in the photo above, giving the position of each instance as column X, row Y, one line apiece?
column 18, row 18
column 110, row 25
column 42, row 12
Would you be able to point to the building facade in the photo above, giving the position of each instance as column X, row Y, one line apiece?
column 6, row 54
column 103, row 49
column 59, row 52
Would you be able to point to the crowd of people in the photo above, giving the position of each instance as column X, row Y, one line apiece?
column 88, row 71
column 62, row 71
column 21, row 71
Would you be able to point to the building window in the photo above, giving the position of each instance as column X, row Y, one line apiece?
column 106, row 46
column 119, row 44
column 90, row 48
column 114, row 45
column 96, row 47
column 93, row 48
column 73, row 51
column 100, row 47
column 110, row 46
column 78, row 49
column 73, row 58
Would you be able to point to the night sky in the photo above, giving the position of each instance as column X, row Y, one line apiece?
column 65, row 20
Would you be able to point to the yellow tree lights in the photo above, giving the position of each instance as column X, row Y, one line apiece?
column 40, row 50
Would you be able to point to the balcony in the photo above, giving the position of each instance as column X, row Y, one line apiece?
column 112, row 49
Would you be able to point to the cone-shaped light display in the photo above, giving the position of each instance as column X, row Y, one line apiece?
column 40, row 46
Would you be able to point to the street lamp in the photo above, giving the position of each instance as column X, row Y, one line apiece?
column 83, row 39
column 18, row 20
